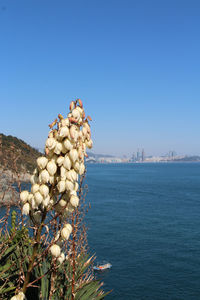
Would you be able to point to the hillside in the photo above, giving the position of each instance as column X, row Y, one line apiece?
column 14, row 151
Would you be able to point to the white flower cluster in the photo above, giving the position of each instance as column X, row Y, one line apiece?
column 19, row 296
column 57, row 173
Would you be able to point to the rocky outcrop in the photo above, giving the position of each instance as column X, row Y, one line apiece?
column 8, row 186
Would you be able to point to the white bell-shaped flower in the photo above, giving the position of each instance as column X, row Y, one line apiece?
column 61, row 258
column 30, row 197
column 35, row 188
column 76, row 186
column 55, row 250
column 58, row 148
column 71, row 175
column 34, row 205
column 51, row 167
column 61, row 186
column 26, row 209
column 64, row 131
column 60, row 160
column 73, row 154
column 50, row 143
column 44, row 190
column 69, row 227
column 34, row 179
column 65, row 234
column 52, row 179
column 67, row 144
column 38, row 198
column 46, row 201
column 74, row 200
column 44, row 176
column 24, row 196
column 42, row 162
column 63, row 173
column 76, row 166
column 69, row 185
column 19, row 296
column 73, row 133
column 67, row 163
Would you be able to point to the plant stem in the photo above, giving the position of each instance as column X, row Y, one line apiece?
column 34, row 254
column 73, row 256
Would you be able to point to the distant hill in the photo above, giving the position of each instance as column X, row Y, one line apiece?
column 14, row 151
column 189, row 158
column 91, row 154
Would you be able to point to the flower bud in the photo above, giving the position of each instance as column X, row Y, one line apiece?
column 44, row 190
column 51, row 168
column 62, row 203
column 38, row 198
column 42, row 162
column 74, row 200
column 84, row 131
column 81, row 169
column 73, row 154
column 67, row 144
column 25, row 209
column 67, row 163
column 65, row 122
column 44, row 176
column 50, row 143
column 61, row 186
column 24, row 196
column 55, row 250
column 69, row 185
column 76, row 114
column 65, row 234
column 89, row 144
column 35, row 188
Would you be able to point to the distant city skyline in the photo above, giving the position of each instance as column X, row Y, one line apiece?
column 135, row 65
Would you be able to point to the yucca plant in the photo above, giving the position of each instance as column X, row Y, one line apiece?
column 44, row 255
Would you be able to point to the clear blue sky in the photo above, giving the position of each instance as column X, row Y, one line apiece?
column 135, row 65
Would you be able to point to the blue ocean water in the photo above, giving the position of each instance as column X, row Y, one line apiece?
column 145, row 220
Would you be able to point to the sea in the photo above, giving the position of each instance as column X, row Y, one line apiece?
column 145, row 220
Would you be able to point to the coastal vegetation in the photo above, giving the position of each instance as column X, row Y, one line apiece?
column 43, row 241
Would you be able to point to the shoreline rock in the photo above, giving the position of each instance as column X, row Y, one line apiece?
column 8, row 180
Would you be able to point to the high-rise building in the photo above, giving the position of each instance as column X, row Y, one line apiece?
column 143, row 155
column 138, row 155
